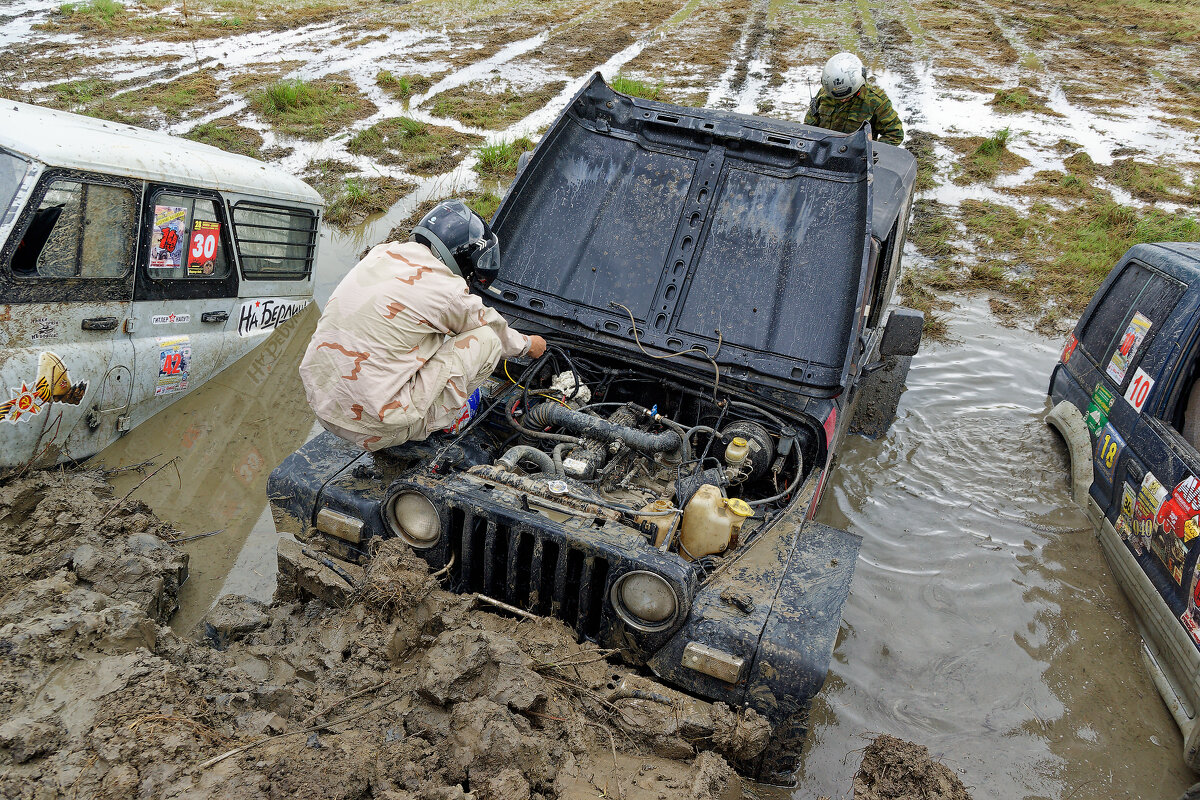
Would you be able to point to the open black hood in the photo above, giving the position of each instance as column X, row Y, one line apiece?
column 697, row 221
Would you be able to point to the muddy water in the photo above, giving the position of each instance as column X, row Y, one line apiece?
column 983, row 620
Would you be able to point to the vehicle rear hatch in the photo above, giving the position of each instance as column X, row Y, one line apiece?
column 744, row 238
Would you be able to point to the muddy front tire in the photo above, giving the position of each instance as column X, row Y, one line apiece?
column 878, row 395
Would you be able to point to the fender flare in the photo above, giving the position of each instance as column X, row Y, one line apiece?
column 1067, row 420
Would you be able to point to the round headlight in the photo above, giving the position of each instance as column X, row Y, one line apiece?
column 645, row 600
column 413, row 518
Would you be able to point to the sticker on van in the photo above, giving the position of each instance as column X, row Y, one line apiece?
column 1178, row 514
column 174, row 360
column 1139, row 326
column 1097, row 410
column 166, row 248
column 1108, row 451
column 263, row 316
column 52, row 385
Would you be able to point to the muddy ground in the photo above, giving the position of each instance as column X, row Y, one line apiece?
column 382, row 685
column 402, row 690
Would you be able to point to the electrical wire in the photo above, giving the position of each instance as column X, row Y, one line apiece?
column 711, row 359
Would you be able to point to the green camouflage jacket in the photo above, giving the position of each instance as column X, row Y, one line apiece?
column 870, row 104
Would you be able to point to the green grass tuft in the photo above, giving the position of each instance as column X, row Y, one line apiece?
column 102, row 11
column 311, row 109
column 636, row 88
column 499, row 160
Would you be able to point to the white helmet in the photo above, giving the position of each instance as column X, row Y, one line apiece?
column 844, row 74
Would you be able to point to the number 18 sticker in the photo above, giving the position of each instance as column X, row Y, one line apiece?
column 1139, row 389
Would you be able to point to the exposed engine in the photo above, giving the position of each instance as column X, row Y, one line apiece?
column 694, row 475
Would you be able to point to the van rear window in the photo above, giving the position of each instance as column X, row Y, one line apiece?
column 1137, row 290
column 275, row 242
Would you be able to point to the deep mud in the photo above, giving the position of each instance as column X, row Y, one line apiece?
column 893, row 769
column 403, row 691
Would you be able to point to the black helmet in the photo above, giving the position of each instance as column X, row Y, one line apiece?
column 461, row 239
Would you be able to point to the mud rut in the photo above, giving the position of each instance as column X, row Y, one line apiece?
column 939, row 60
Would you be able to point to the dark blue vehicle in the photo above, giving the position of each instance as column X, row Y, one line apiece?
column 1127, row 401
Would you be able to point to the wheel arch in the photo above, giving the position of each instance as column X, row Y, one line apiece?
column 1068, row 421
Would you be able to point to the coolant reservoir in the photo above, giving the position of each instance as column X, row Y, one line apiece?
column 664, row 522
column 710, row 522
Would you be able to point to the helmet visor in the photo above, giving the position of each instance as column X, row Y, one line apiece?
column 487, row 258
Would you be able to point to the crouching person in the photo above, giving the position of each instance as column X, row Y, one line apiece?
column 403, row 345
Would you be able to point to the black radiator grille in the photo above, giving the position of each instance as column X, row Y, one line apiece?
column 528, row 569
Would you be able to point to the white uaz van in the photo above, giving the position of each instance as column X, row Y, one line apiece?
column 134, row 267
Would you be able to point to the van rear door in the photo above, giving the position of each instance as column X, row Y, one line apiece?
column 277, row 247
column 66, row 284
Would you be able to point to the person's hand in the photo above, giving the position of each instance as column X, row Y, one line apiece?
column 537, row 346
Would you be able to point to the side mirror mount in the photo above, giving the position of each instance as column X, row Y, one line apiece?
column 902, row 334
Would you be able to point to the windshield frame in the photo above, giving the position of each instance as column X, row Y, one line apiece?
column 12, row 202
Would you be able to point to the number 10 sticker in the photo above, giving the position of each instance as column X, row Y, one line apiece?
column 1139, row 389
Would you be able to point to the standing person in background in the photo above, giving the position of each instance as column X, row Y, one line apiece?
column 846, row 101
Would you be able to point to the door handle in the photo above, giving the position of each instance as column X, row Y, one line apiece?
column 214, row 316
column 100, row 324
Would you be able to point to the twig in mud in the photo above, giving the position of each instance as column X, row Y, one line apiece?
column 480, row 598
column 173, row 462
column 446, row 569
column 138, row 467
column 616, row 768
column 318, row 714
column 594, row 695
column 183, row 539
column 199, row 728
column 79, row 777
column 593, row 656
column 238, row 750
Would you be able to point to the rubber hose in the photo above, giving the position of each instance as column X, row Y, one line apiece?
column 550, row 437
column 560, row 449
column 546, row 415
column 515, row 454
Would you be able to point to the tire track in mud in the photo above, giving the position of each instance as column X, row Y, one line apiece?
column 734, row 89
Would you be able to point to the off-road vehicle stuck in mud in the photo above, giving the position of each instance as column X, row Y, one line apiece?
column 655, row 487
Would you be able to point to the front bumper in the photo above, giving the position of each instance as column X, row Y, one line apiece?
column 758, row 634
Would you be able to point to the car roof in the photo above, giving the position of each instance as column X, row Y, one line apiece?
column 1180, row 260
column 72, row 141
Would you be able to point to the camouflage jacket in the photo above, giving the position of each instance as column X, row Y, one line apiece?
column 870, row 104
column 389, row 317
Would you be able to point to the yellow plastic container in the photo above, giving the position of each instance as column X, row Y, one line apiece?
column 710, row 522
column 665, row 522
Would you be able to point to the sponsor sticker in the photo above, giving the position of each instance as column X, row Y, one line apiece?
column 1069, row 348
column 202, row 248
column 1191, row 616
column 1139, row 389
column 1097, row 410
column 174, row 361
column 169, row 237
column 1108, row 451
column 1127, row 348
column 263, row 316
column 51, row 384
column 46, row 328
column 170, row 319
column 1180, row 508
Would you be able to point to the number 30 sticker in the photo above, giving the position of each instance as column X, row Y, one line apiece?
column 1139, row 389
